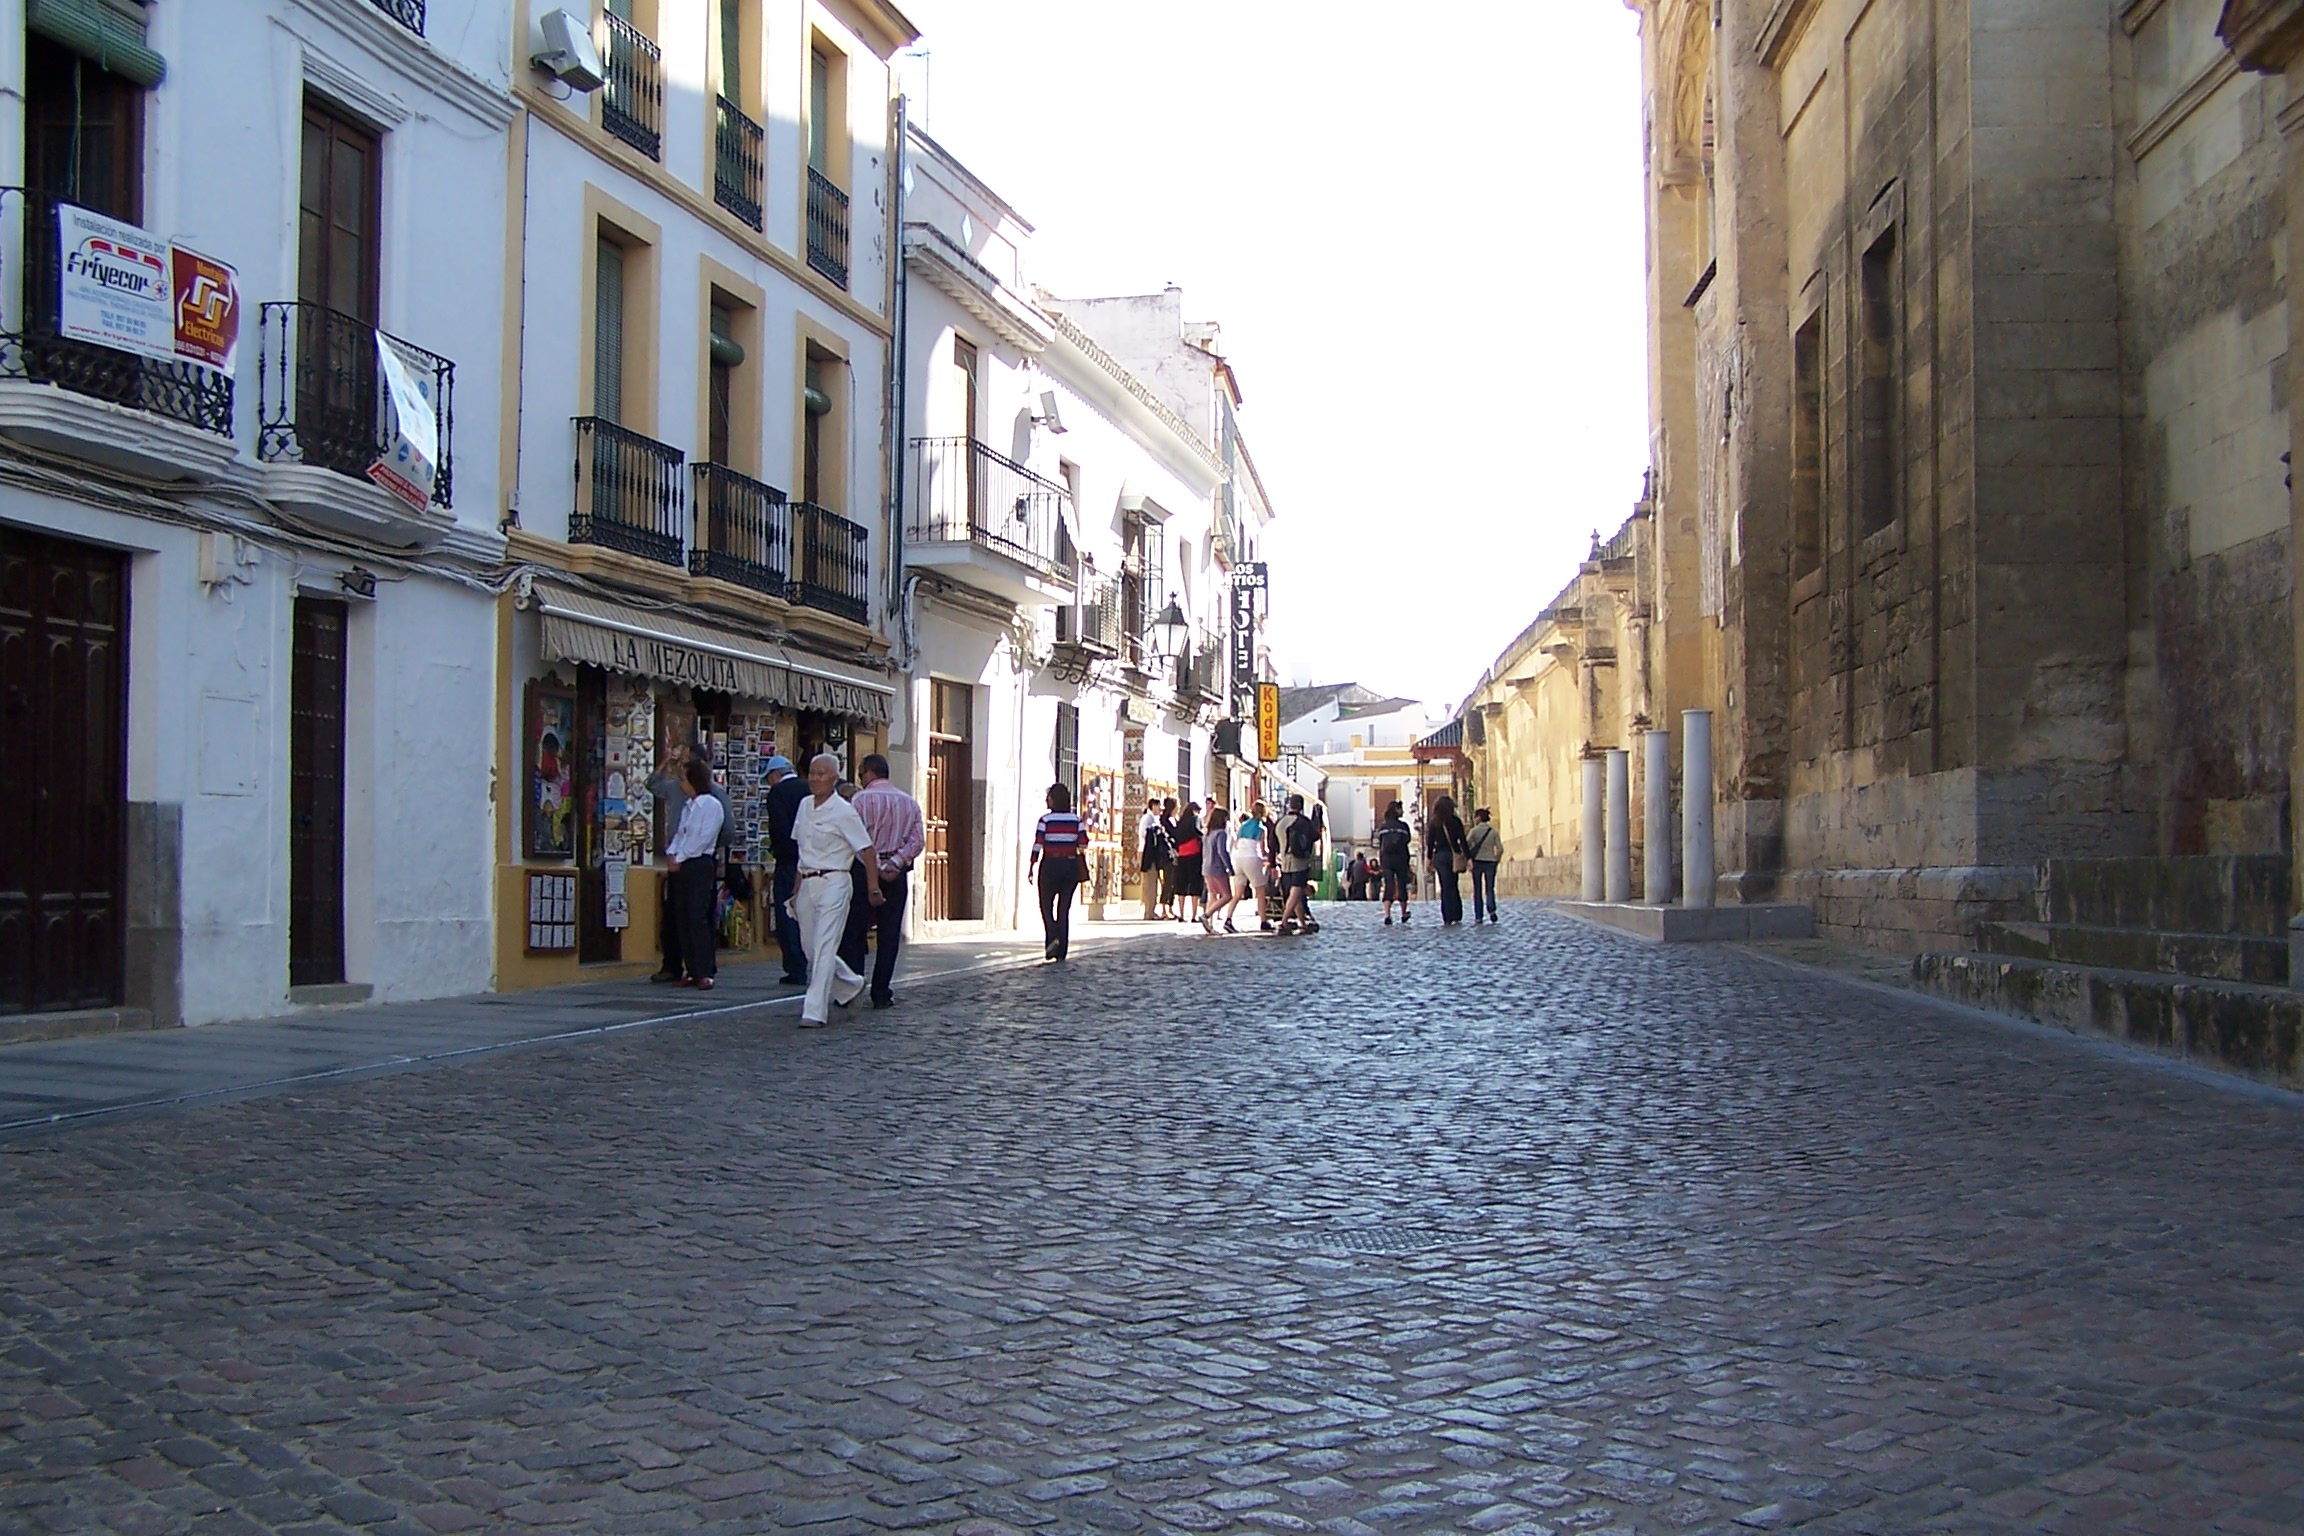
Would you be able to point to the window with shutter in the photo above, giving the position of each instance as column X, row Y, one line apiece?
column 608, row 333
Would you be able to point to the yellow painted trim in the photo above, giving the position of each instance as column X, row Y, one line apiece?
column 746, row 407
column 638, row 166
column 643, row 246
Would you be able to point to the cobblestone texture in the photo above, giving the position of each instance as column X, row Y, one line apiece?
column 1519, row 1230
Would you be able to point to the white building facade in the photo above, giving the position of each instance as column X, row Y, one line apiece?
column 700, row 476
column 1058, row 503
column 248, row 689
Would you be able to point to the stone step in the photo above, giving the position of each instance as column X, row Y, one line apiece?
column 2210, row 893
column 2255, row 1031
column 2213, row 956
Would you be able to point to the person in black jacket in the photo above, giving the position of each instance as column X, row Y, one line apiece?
column 1395, row 861
column 786, row 790
column 1445, row 846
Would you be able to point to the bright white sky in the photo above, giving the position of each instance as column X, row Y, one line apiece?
column 1425, row 249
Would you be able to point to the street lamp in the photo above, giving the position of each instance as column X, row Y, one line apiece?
column 1169, row 632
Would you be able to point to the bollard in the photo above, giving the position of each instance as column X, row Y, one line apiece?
column 1594, row 771
column 1619, row 824
column 1696, row 807
column 1656, row 813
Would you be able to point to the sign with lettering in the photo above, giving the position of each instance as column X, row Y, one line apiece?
column 126, row 290
column 1252, row 575
column 1243, row 650
column 1267, row 722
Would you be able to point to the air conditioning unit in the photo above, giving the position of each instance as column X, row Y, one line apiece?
column 568, row 54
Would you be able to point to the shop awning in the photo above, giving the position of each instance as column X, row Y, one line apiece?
column 592, row 630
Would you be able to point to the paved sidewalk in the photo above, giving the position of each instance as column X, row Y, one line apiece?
column 46, row 1083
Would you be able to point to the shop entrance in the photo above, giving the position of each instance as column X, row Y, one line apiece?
column 316, row 794
column 595, row 940
column 63, row 772
column 948, row 875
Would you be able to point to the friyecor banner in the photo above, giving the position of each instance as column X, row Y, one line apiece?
column 411, row 454
column 124, row 289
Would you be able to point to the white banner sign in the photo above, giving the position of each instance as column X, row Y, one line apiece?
column 127, row 290
column 118, row 284
column 412, row 447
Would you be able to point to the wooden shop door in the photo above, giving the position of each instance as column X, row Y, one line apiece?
column 948, row 873
column 316, row 794
column 63, row 772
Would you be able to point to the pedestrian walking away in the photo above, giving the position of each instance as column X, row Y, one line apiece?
column 1218, row 871
column 1356, row 878
column 1191, row 877
column 1299, row 839
column 1444, row 847
column 1395, row 861
column 696, row 876
column 899, row 835
column 831, row 839
column 1485, row 846
column 1058, row 865
column 1250, row 860
column 786, row 789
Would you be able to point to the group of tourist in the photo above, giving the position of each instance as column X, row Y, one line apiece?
column 1450, row 848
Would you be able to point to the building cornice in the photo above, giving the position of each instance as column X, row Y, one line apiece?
column 973, row 286
column 415, row 58
column 1086, row 346
column 2264, row 35
column 1787, row 19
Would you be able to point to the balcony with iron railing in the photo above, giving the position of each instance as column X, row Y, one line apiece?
column 739, row 163
column 34, row 348
column 322, row 397
column 969, row 502
column 1093, row 623
column 827, row 227
column 1197, row 671
column 630, row 494
column 632, row 100
column 409, row 13
column 831, row 563
column 743, row 531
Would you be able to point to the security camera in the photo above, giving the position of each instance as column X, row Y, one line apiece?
column 1047, row 416
column 568, row 54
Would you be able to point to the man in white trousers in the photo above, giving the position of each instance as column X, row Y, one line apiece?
column 831, row 838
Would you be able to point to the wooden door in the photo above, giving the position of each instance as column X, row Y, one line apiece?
column 316, row 794
column 935, row 856
column 337, row 276
column 63, row 772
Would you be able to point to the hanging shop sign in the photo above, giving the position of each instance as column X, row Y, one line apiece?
column 411, row 454
column 1267, row 722
column 1243, row 650
column 1253, row 575
column 122, row 288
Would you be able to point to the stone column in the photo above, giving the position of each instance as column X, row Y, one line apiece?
column 1619, row 824
column 1656, row 817
column 1594, row 773
column 1696, row 807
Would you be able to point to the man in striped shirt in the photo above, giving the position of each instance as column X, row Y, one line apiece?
column 1059, row 864
column 899, row 834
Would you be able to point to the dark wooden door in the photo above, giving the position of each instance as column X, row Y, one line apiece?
column 944, row 864
column 63, row 772
column 595, row 940
column 316, row 794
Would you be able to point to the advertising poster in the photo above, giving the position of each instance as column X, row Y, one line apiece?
column 1267, row 722
column 412, row 449
column 117, row 288
column 207, row 302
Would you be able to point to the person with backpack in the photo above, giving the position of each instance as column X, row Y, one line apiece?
column 1299, row 838
column 1395, row 847
column 1444, row 847
column 1485, row 847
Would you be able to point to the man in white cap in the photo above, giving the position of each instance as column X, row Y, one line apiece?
column 830, row 838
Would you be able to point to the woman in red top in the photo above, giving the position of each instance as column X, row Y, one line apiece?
column 1059, row 864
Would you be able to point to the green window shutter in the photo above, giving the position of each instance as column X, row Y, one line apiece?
column 608, row 334
column 108, row 32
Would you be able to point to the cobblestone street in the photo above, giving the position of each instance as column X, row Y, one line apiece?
column 1527, row 1229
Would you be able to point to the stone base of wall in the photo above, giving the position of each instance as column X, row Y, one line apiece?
column 2252, row 1030
column 1558, row 876
column 1909, row 910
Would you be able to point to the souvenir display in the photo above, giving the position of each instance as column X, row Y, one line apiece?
column 737, row 756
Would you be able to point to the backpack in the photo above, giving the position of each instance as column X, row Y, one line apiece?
column 1393, row 841
column 1303, row 837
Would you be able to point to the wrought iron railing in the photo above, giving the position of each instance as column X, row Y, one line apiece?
column 632, row 101
column 321, row 397
column 34, row 348
column 1196, row 669
column 629, row 492
column 1093, row 622
column 739, row 165
column 409, row 13
column 743, row 532
column 827, row 227
column 964, row 492
column 831, row 567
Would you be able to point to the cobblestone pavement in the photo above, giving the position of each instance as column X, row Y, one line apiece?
column 1525, row 1229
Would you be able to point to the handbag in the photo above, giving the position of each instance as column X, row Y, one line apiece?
column 739, row 881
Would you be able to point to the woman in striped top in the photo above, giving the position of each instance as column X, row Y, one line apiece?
column 1059, row 863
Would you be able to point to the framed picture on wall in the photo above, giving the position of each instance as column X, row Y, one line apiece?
column 549, row 804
